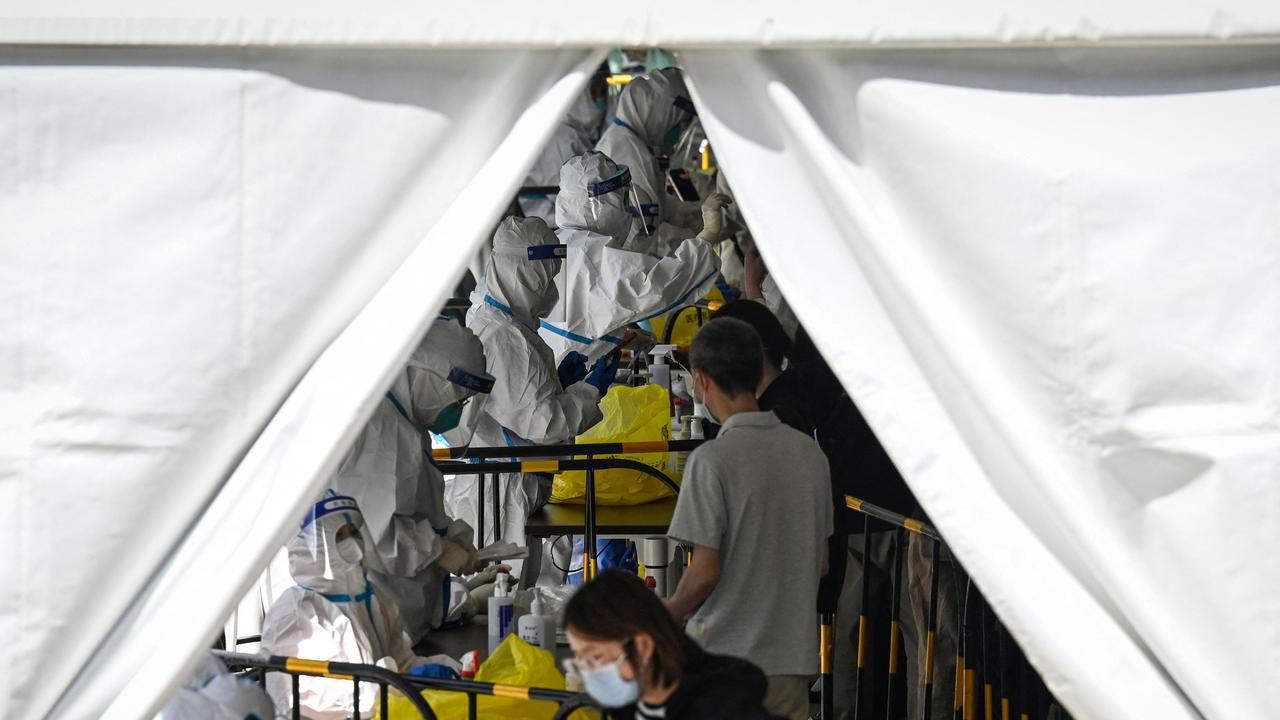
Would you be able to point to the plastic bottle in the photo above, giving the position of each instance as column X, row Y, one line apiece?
column 537, row 628
column 659, row 370
column 696, row 431
column 502, row 611
column 682, row 456
column 680, row 389
column 470, row 663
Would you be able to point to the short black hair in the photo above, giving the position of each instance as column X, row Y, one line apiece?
column 730, row 352
column 777, row 345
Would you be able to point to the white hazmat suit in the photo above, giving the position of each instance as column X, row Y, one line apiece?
column 414, row 546
column 527, row 405
column 212, row 693
column 649, row 108
column 332, row 614
column 576, row 134
column 603, row 286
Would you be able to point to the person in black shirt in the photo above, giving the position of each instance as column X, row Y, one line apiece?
column 636, row 661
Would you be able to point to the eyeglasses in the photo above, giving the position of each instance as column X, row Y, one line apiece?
column 587, row 664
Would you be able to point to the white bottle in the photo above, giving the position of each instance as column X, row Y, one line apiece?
column 683, row 456
column 660, row 371
column 537, row 628
column 502, row 611
column 695, row 429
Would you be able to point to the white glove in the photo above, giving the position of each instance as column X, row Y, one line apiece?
column 482, row 594
column 486, row 577
column 456, row 559
column 713, row 216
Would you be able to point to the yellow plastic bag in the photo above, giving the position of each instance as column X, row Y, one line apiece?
column 688, row 322
column 630, row 414
column 515, row 662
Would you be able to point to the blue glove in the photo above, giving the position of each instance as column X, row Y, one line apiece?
column 434, row 670
column 572, row 368
column 604, row 372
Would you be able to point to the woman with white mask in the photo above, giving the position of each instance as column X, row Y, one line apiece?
column 634, row 660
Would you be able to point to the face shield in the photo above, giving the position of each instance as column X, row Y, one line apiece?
column 612, row 202
column 452, row 391
column 327, row 553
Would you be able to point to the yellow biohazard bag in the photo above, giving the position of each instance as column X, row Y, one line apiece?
column 515, row 662
column 688, row 322
column 631, row 414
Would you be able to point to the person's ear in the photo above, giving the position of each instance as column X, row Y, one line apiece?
column 644, row 649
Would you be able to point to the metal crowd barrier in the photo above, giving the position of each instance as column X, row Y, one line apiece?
column 986, row 657
column 410, row 686
column 481, row 461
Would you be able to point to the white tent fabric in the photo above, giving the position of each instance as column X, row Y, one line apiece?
column 666, row 23
column 1047, row 276
column 1051, row 280
column 213, row 260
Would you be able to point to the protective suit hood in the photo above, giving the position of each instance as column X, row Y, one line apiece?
column 516, row 283
column 316, row 561
column 446, row 368
column 651, row 106
column 584, row 114
column 595, row 195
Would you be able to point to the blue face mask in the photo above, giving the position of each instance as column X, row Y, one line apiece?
column 606, row 685
column 447, row 419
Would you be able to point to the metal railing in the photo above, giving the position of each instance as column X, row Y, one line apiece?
column 408, row 685
column 986, row 657
column 481, row 461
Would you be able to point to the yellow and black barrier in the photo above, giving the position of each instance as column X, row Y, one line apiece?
column 896, row 519
column 408, row 685
column 588, row 450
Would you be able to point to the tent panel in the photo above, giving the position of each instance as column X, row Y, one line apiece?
column 1027, row 268
column 193, row 237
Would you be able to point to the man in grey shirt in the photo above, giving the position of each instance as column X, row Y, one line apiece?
column 756, row 505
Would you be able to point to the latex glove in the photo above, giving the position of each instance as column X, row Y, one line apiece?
column 604, row 372
column 486, row 577
column 456, row 559
column 713, row 216
column 482, row 594
column 572, row 369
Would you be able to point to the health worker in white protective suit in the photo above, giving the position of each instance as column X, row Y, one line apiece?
column 212, row 693
column 605, row 287
column 576, row 134
column 650, row 108
column 414, row 547
column 333, row 614
column 528, row 404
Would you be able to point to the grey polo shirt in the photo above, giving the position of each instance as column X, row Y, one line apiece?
column 760, row 493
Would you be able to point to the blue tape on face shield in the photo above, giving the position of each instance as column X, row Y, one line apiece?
column 471, row 381
column 548, row 252
column 617, row 181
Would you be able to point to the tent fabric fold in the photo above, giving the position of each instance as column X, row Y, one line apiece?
column 1030, row 270
column 214, row 260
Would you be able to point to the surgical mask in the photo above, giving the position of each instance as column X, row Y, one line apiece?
column 349, row 549
column 606, row 685
column 447, row 419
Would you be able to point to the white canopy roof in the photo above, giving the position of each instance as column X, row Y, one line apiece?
column 667, row 23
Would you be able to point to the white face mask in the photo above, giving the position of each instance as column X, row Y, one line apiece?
column 349, row 549
column 606, row 685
